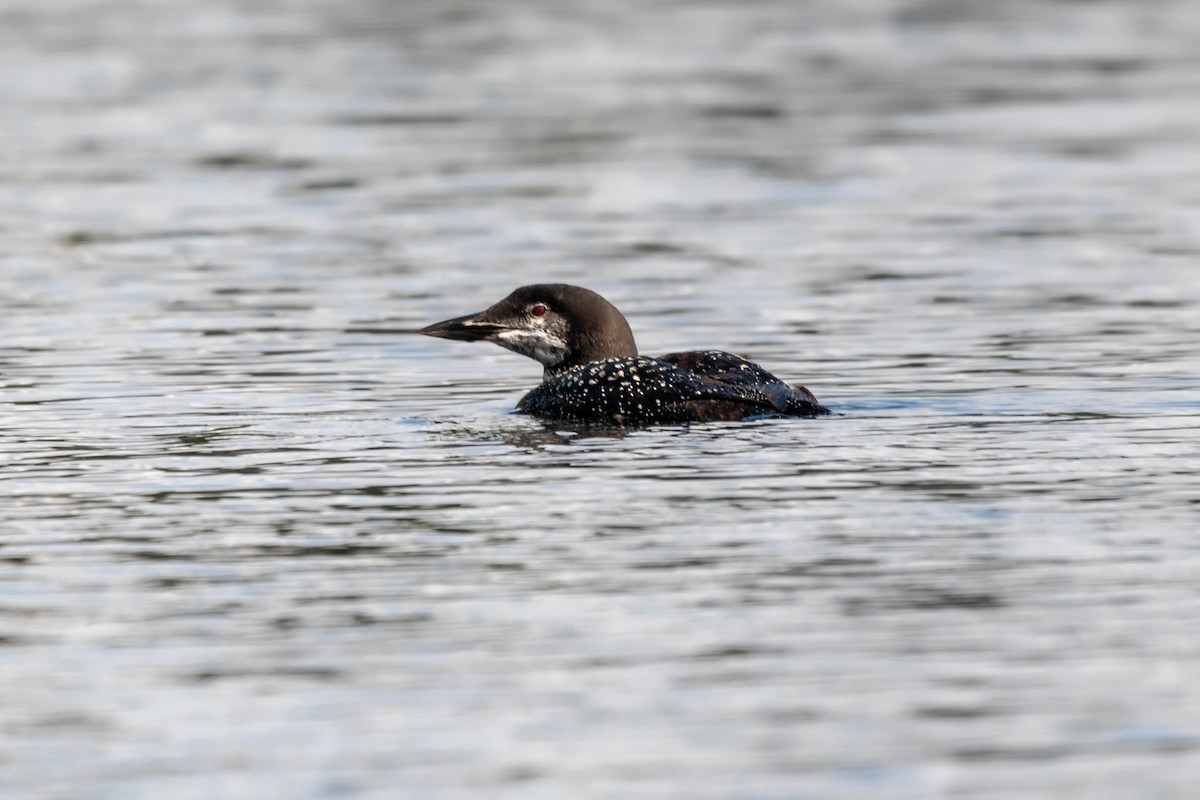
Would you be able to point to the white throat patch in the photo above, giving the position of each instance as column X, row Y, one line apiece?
column 542, row 346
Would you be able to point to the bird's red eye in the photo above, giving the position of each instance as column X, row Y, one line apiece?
column 538, row 310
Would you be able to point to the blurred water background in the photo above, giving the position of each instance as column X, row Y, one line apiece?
column 256, row 541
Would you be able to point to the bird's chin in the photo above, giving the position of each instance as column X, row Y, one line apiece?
column 543, row 347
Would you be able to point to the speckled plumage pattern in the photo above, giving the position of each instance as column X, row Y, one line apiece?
column 681, row 387
column 594, row 375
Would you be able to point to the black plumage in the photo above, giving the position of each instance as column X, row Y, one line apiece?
column 593, row 373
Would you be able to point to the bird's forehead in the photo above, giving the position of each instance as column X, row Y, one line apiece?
column 532, row 294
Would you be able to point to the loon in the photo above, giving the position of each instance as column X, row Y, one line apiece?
column 594, row 375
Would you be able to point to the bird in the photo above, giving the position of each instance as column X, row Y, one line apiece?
column 593, row 374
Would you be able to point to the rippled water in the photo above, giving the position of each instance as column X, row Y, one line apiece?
column 259, row 541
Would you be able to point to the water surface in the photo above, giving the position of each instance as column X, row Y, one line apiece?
column 258, row 541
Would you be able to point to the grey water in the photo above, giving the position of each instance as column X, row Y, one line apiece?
column 258, row 540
